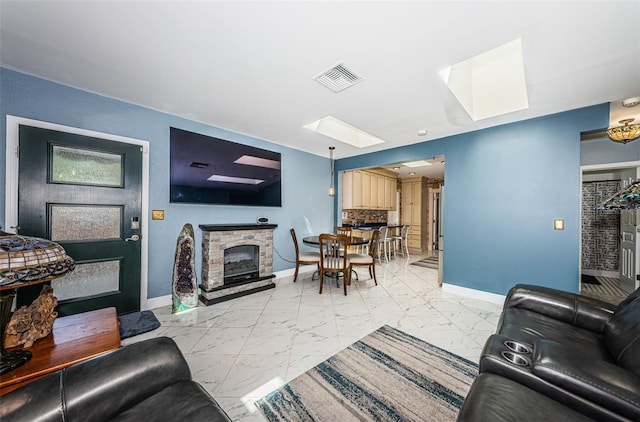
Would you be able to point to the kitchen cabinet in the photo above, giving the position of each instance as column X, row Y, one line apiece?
column 373, row 189
column 414, row 211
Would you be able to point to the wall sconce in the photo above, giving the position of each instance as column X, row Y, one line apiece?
column 332, row 190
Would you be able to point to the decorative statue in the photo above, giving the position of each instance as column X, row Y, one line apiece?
column 35, row 322
column 185, row 287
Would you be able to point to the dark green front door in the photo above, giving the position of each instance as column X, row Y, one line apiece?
column 84, row 193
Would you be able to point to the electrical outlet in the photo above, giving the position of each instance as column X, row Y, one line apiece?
column 344, row 215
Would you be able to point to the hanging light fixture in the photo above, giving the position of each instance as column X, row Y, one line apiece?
column 624, row 133
column 332, row 190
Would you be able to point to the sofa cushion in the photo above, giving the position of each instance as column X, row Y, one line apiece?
column 494, row 398
column 633, row 296
column 527, row 326
column 606, row 384
column 182, row 401
column 622, row 336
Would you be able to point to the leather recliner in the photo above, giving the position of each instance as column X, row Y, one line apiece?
column 145, row 381
column 576, row 352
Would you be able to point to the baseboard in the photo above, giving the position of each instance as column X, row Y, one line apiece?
column 474, row 294
column 160, row 301
column 156, row 302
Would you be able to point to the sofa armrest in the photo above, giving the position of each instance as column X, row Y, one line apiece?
column 581, row 311
column 100, row 388
column 601, row 382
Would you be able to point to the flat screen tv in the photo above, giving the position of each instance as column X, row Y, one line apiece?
column 207, row 170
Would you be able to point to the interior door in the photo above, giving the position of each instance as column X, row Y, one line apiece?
column 441, row 236
column 628, row 235
column 86, row 194
column 629, row 220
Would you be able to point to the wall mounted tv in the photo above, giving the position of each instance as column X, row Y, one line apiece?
column 209, row 170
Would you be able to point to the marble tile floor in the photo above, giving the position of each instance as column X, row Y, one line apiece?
column 242, row 349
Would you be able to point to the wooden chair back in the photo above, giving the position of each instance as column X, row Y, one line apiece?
column 332, row 257
column 373, row 243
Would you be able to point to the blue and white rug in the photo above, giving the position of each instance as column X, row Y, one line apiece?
column 386, row 376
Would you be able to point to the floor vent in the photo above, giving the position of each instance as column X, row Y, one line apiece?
column 338, row 78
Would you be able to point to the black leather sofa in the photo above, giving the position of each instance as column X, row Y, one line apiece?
column 145, row 381
column 559, row 356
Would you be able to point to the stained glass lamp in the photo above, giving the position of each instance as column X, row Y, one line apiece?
column 25, row 261
column 627, row 198
column 625, row 133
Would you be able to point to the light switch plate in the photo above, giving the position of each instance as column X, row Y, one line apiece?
column 157, row 214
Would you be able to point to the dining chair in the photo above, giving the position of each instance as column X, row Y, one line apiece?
column 385, row 243
column 402, row 240
column 368, row 259
column 332, row 260
column 304, row 258
column 347, row 231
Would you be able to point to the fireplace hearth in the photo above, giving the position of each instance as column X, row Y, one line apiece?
column 237, row 260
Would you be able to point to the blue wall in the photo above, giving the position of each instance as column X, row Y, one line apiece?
column 504, row 186
column 306, row 205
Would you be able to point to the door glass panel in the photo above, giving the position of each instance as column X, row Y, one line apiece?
column 85, row 167
column 85, row 222
column 88, row 279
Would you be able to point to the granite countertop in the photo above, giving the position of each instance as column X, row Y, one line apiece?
column 370, row 226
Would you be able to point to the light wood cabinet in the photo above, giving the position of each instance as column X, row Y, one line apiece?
column 369, row 189
column 414, row 212
column 366, row 189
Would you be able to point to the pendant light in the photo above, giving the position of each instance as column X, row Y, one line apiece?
column 624, row 133
column 332, row 190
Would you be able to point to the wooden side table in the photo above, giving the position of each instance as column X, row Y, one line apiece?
column 73, row 339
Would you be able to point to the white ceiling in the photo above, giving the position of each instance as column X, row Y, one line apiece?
column 249, row 66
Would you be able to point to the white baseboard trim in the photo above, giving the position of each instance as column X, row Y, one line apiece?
column 160, row 301
column 473, row 294
column 156, row 302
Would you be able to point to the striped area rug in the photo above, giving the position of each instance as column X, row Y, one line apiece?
column 608, row 290
column 428, row 262
column 386, row 376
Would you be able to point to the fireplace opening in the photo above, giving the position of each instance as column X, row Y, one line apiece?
column 241, row 263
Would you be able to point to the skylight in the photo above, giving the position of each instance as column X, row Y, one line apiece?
column 419, row 163
column 343, row 132
column 250, row 160
column 238, row 180
column 490, row 84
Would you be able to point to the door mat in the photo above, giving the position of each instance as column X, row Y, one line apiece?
column 429, row 262
column 387, row 376
column 589, row 279
column 137, row 323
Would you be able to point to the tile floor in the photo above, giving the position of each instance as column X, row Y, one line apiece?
column 241, row 349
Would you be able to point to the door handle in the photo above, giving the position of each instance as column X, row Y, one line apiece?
column 133, row 238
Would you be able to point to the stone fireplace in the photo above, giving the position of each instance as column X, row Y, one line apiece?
column 237, row 259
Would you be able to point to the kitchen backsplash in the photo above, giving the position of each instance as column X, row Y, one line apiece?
column 364, row 216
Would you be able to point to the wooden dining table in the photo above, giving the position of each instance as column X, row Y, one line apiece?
column 354, row 241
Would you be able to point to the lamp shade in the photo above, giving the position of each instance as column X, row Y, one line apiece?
column 625, row 133
column 26, row 259
column 627, row 198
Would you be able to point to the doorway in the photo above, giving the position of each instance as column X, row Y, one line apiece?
column 88, row 192
column 609, row 244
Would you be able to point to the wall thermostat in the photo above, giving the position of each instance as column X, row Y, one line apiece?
column 262, row 220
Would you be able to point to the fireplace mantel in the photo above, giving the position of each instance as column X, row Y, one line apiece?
column 234, row 227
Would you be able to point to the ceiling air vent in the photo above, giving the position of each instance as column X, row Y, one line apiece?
column 338, row 78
